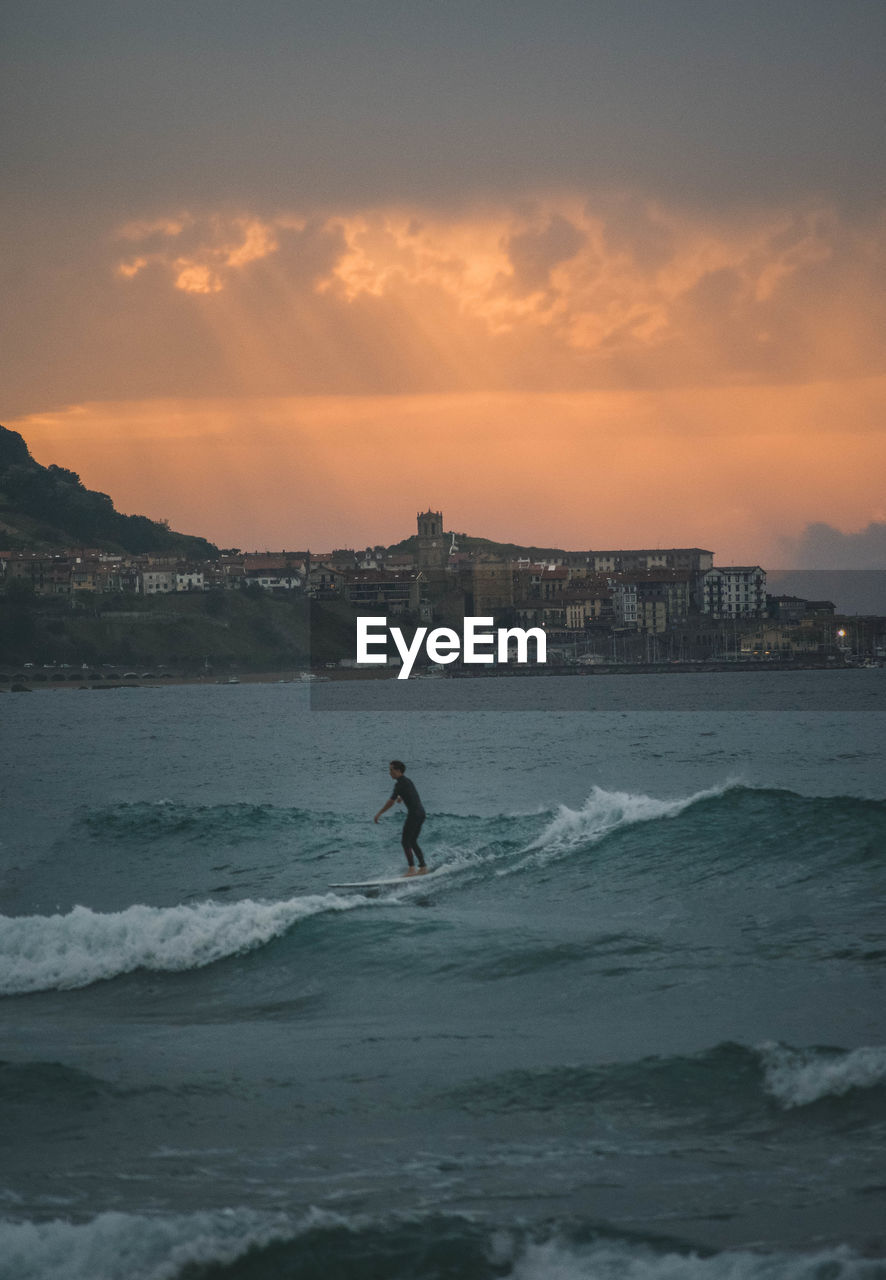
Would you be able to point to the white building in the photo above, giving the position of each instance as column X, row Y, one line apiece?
column 157, row 582
column 734, row 591
column 274, row 580
column 624, row 604
column 189, row 580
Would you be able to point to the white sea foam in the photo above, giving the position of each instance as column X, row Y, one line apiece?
column 796, row 1077
column 606, row 811
column 556, row 1260
column 603, row 811
column 43, row 953
column 123, row 1246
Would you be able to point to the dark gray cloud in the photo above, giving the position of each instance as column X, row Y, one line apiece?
column 860, row 591
column 631, row 227
column 535, row 253
column 109, row 102
column 821, row 546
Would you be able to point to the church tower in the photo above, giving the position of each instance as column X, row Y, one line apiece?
column 432, row 549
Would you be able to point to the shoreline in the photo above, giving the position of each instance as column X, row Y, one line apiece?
column 340, row 675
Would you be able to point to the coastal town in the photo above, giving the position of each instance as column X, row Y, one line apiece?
column 597, row 608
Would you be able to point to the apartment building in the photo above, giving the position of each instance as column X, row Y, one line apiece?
column 734, row 591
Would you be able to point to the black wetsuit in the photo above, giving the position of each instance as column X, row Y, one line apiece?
column 404, row 789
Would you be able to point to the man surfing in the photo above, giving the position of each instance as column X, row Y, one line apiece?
column 405, row 793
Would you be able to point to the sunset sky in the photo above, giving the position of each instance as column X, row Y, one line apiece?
column 588, row 274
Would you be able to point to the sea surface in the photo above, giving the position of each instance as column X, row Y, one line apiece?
column 634, row 1027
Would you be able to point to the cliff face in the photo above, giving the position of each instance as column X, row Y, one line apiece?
column 43, row 508
column 13, row 450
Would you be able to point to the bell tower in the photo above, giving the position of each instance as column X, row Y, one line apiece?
column 432, row 549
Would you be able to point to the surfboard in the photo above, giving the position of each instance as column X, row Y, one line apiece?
column 376, row 884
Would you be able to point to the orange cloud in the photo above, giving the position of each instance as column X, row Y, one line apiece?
column 553, row 292
column 222, row 247
column 196, row 277
column 132, row 267
column 568, row 369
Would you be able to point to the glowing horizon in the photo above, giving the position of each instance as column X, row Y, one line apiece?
column 632, row 302
column 543, row 470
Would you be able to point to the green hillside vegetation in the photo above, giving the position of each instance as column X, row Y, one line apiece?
column 220, row 632
column 484, row 546
column 49, row 508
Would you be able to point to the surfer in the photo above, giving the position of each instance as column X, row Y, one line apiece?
column 405, row 793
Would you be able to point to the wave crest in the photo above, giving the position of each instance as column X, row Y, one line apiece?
column 125, row 1246
column 848, row 829
column 61, row 952
column 798, row 1077
column 730, row 1084
column 604, row 811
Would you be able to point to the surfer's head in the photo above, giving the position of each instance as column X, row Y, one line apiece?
column 397, row 769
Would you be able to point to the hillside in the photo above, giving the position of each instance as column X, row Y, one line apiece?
column 216, row 632
column 48, row 508
column 484, row 547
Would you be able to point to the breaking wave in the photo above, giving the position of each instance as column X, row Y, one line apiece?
column 264, row 1246
column 799, row 1077
column 731, row 819
column 723, row 1086
column 606, row 811
column 123, row 1246
column 510, row 841
column 61, row 952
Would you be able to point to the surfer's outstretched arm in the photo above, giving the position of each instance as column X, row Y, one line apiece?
column 387, row 805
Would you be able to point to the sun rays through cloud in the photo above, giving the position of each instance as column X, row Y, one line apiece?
column 570, row 367
column 587, row 291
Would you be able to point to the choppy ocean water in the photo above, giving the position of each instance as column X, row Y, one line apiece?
column 635, row 1027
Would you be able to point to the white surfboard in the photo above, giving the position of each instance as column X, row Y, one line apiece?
column 376, row 884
